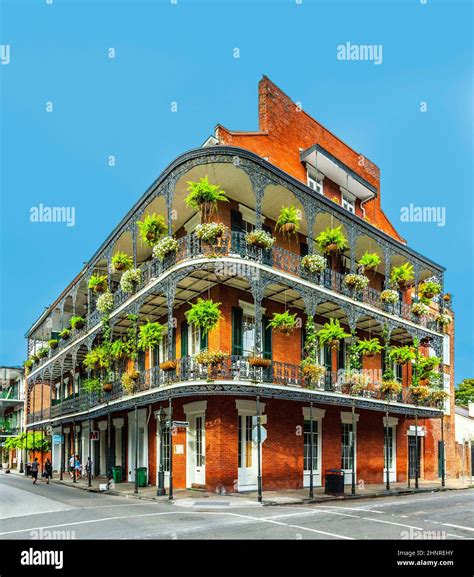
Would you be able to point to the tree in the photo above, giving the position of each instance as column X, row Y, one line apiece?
column 30, row 441
column 465, row 392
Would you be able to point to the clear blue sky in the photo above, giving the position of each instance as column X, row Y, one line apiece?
column 183, row 52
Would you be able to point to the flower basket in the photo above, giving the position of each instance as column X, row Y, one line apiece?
column 288, row 228
column 260, row 239
column 390, row 388
column 331, row 248
column 119, row 266
column 419, row 309
column 168, row 365
column 210, row 357
column 65, row 334
column 53, row 344
column 357, row 282
column 424, row 382
column 313, row 371
column 420, row 393
column 334, row 343
column 107, row 387
column 389, row 296
column 164, row 247
column 314, row 263
column 443, row 319
column 438, row 396
column 447, row 298
column 210, row 232
column 259, row 362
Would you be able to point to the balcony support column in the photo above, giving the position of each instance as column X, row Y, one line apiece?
column 257, row 289
column 388, row 264
column 169, row 193
column 170, row 295
column 353, row 236
column 310, row 211
column 259, row 183
column 417, row 271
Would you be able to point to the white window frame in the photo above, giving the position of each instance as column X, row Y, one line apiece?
column 347, row 202
column 315, row 183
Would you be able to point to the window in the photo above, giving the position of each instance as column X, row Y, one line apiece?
column 245, row 441
column 346, row 438
column 194, row 340
column 199, row 453
column 307, row 448
column 390, row 448
column 315, row 184
column 166, row 448
column 248, row 329
column 348, row 203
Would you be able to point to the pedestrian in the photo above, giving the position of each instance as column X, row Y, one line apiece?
column 89, row 467
column 34, row 470
column 71, row 466
column 48, row 471
column 77, row 466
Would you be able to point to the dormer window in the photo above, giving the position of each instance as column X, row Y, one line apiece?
column 315, row 182
column 348, row 202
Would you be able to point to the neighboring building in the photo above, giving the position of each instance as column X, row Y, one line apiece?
column 464, row 419
column 291, row 160
column 12, row 418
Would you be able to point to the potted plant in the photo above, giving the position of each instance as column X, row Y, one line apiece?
column 130, row 280
column 204, row 314
column 210, row 232
column 438, row 395
column 447, row 297
column 168, row 365
column 419, row 392
column 331, row 334
column 402, row 275
column 150, row 335
column 152, row 228
column 28, row 364
column 401, row 355
column 256, row 360
column 129, row 381
column 53, row 344
column 419, row 309
column 35, row 358
column 429, row 289
column 390, row 388
column 443, row 319
column 107, row 387
column 389, row 296
column 105, row 303
column 356, row 282
column 288, row 221
column 164, row 247
column 332, row 240
column 98, row 283
column 260, row 238
column 77, row 323
column 284, row 323
column 369, row 347
column 119, row 350
column 121, row 261
column 92, row 385
column 356, row 381
column 311, row 370
column 210, row 357
column 97, row 358
column 370, row 261
column 65, row 334
column 314, row 263
column 205, row 196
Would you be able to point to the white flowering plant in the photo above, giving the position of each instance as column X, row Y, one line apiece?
column 105, row 303
column 443, row 319
column 260, row 238
column 210, row 231
column 313, row 263
column 130, row 280
column 358, row 282
column 165, row 246
column 389, row 296
column 419, row 309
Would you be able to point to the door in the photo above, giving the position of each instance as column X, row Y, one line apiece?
column 316, row 454
column 392, row 468
column 142, row 440
column 347, row 438
column 197, row 450
column 412, row 454
column 247, row 459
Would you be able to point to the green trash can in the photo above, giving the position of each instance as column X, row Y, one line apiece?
column 142, row 476
column 117, row 474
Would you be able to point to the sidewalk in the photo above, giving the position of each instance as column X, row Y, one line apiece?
column 187, row 497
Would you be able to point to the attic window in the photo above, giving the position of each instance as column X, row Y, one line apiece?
column 314, row 181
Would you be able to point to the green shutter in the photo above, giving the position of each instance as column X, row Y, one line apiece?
column 237, row 334
column 267, row 338
column 236, row 221
column 184, row 339
column 327, row 358
column 203, row 341
column 341, row 355
column 173, row 347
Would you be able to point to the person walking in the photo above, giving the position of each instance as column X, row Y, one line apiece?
column 71, row 466
column 78, row 467
column 48, row 471
column 34, row 470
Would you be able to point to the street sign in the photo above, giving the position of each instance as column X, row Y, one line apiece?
column 94, row 435
column 180, row 423
column 263, row 435
column 57, row 439
column 263, row 420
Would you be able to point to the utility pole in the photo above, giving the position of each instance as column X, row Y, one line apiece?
column 387, row 452
column 259, row 460
column 170, row 492
column 311, row 488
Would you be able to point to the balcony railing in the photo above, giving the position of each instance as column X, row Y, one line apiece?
column 233, row 368
column 234, row 244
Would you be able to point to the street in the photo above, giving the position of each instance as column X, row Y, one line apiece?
column 59, row 512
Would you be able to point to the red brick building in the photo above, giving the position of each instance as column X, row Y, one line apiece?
column 291, row 161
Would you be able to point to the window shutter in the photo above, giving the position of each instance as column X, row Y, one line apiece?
column 203, row 340
column 173, row 344
column 236, row 221
column 237, row 334
column 303, row 341
column 141, row 360
column 303, row 249
column 327, row 358
column 156, row 356
column 184, row 339
column 267, row 338
column 341, row 355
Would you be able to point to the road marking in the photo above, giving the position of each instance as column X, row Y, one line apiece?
column 458, row 526
column 392, row 523
column 457, row 536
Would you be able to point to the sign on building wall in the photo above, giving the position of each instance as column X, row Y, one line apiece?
column 94, row 435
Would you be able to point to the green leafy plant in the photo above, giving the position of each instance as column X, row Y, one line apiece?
column 210, row 357
column 357, row 282
column 332, row 240
column 121, row 261
column 97, row 358
column 119, row 350
column 204, row 314
column 312, row 370
column 389, row 296
column 42, row 352
column 429, row 289
column 401, row 355
column 314, row 263
column 419, row 309
column 165, row 246
column 31, row 441
column 390, row 387
column 130, row 280
column 370, row 261
column 288, row 221
column 331, row 334
column 369, row 347
column 260, row 238
column 77, row 322
column 205, row 196
column 284, row 323
column 129, row 381
column 402, row 274
column 210, row 231
column 150, row 335
column 152, row 228
column 98, row 283
column 443, row 319
column 28, row 364
column 92, row 385
column 53, row 343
